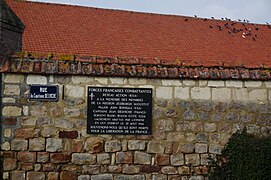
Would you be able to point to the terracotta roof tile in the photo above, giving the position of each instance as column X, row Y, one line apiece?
column 67, row 29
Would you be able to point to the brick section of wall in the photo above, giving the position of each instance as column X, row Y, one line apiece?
column 125, row 67
column 191, row 120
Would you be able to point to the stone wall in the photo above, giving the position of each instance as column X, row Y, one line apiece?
column 191, row 120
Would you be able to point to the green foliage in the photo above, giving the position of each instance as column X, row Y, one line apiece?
column 244, row 157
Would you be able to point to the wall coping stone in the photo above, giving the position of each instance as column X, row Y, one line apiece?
column 119, row 67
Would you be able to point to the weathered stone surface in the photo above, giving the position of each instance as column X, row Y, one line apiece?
column 155, row 147
column 53, row 145
column 192, row 159
column 115, row 169
column 83, row 158
column 12, row 90
column 215, row 148
column 68, row 175
column 124, row 158
column 36, row 79
column 60, row 157
column 35, row 175
column 77, row 145
column 27, row 166
column 82, row 79
column 48, row 167
column 14, row 78
column 184, row 170
column 174, row 177
column 221, row 94
column 42, row 157
column 181, row 93
column 118, row 80
column 213, row 83
column 177, row 159
column 48, row 131
column 171, row 113
column 8, row 154
column 5, row 146
column 201, row 93
column 63, row 123
column 136, row 145
column 204, row 159
column 149, row 169
column 37, row 144
column 142, row 158
column 84, row 177
column 258, row 95
column 74, row 91
column 102, row 80
column 240, row 94
column 71, row 112
column 187, row 148
column 112, row 146
column 253, row 83
column 162, row 159
column 94, row 145
column 196, row 178
column 91, row 169
column 9, row 164
column 231, row 83
column 124, row 145
column 129, row 177
column 139, row 81
column 37, row 167
column 214, row 137
column 201, row 170
column 103, row 158
column 38, row 111
column 102, row 177
column 165, row 125
column 8, row 100
column 130, row 169
column 43, row 121
column 162, row 102
column 28, row 121
column 201, row 148
column 12, row 111
column 5, row 175
column 18, row 175
column 189, row 115
column 56, row 110
column 53, row 175
column 169, row 170
column 210, row 127
column 201, row 137
column 190, row 137
column 29, row 157
column 175, row 136
column 164, row 92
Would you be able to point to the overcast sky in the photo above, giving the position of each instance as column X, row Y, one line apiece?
column 256, row 11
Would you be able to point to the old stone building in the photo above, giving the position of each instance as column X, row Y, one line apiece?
column 208, row 78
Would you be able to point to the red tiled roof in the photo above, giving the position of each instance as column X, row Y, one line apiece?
column 91, row 31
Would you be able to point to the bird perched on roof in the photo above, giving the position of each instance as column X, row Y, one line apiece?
column 212, row 17
column 268, row 25
column 195, row 16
